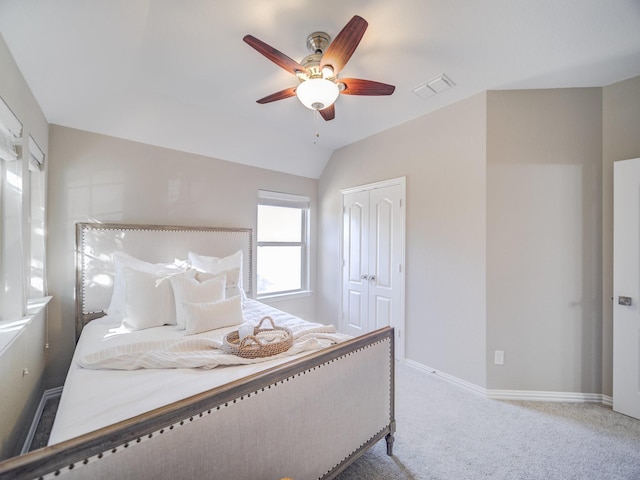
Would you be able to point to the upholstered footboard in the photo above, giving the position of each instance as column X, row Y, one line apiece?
column 307, row 419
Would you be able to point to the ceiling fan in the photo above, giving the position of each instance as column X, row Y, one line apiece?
column 319, row 85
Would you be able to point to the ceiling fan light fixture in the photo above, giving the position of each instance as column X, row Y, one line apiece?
column 317, row 93
column 327, row 72
column 319, row 85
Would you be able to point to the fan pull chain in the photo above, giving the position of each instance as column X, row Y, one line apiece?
column 316, row 124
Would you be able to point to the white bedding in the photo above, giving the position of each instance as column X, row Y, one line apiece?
column 93, row 399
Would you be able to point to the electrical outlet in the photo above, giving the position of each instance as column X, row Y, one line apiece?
column 498, row 357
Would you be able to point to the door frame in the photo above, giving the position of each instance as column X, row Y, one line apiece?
column 402, row 183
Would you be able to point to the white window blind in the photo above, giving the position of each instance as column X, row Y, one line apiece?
column 279, row 199
column 10, row 132
column 36, row 156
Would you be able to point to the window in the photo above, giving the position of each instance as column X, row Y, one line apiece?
column 22, row 217
column 12, row 295
column 282, row 244
column 35, row 270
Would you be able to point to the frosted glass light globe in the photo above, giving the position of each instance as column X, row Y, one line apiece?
column 317, row 93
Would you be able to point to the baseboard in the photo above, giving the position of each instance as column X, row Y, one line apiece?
column 523, row 395
column 534, row 395
column 47, row 395
column 450, row 378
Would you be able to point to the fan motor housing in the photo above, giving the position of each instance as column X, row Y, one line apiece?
column 317, row 42
column 311, row 63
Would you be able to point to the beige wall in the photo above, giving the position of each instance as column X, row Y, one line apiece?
column 621, row 141
column 98, row 178
column 443, row 158
column 20, row 394
column 503, row 236
column 543, row 237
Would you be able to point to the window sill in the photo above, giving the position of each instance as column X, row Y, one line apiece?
column 10, row 329
column 285, row 296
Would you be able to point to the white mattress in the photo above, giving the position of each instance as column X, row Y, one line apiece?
column 93, row 399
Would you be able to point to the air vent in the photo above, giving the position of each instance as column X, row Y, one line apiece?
column 433, row 86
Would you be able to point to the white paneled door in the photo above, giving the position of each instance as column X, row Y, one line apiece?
column 626, row 287
column 355, row 291
column 373, row 256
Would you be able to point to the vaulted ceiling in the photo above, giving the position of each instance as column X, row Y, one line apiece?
column 177, row 74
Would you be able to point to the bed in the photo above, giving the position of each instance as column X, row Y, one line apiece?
column 304, row 414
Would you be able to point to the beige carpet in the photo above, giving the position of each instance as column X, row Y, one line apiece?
column 448, row 433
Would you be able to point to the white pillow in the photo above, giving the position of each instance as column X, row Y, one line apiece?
column 232, row 283
column 202, row 317
column 187, row 288
column 219, row 265
column 148, row 300
column 215, row 264
column 121, row 260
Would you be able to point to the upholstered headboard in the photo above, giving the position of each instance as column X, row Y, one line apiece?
column 97, row 242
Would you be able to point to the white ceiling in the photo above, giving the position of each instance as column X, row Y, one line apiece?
column 177, row 73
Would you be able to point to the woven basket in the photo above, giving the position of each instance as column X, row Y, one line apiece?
column 264, row 342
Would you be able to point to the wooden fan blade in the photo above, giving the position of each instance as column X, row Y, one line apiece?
column 282, row 94
column 340, row 50
column 356, row 86
column 328, row 113
column 274, row 55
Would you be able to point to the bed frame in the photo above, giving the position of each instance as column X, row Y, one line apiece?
column 308, row 418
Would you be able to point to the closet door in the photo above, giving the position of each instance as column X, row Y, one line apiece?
column 373, row 256
column 384, row 265
column 355, row 277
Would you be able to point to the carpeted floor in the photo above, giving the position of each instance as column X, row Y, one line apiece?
column 445, row 432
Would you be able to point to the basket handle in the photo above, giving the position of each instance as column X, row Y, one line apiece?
column 273, row 325
column 252, row 338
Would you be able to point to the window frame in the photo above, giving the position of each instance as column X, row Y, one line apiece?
column 286, row 200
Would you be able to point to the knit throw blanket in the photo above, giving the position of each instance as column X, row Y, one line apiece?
column 203, row 351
